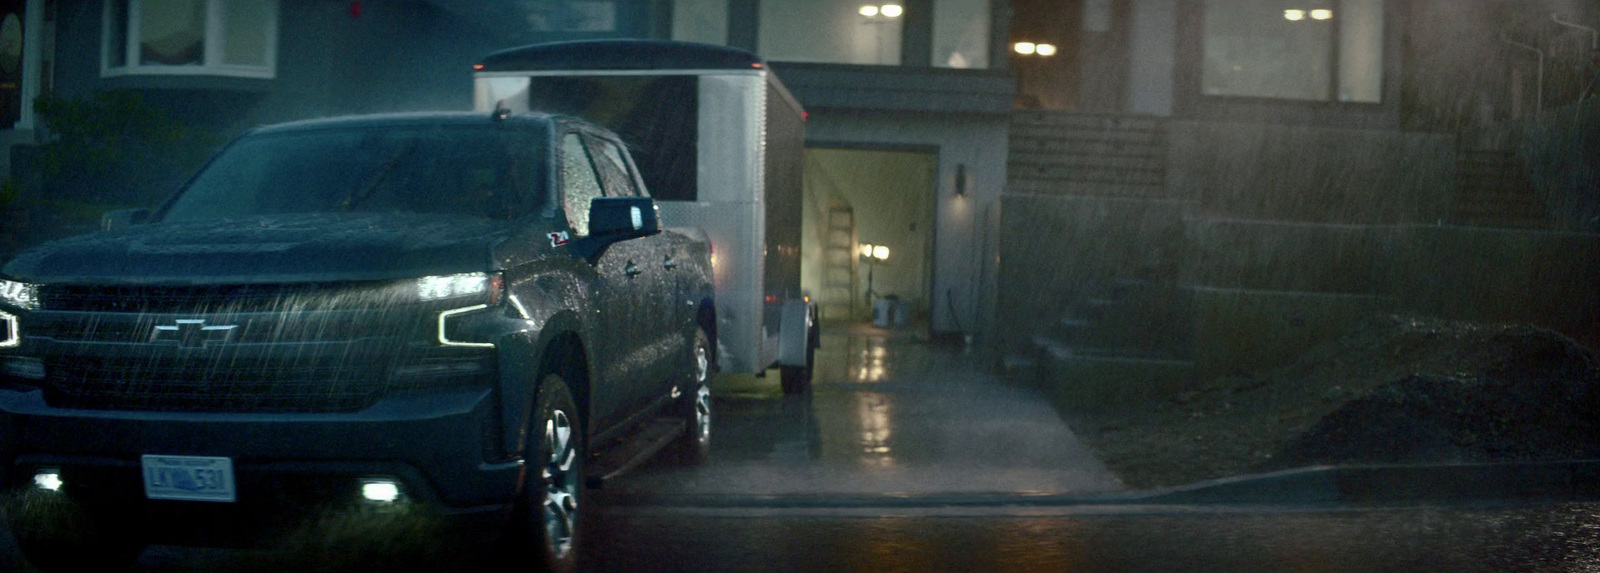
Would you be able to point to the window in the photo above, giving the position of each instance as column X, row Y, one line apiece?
column 961, row 33
column 657, row 117
column 614, row 170
column 832, row 31
column 704, row 21
column 1314, row 50
column 193, row 37
column 579, row 184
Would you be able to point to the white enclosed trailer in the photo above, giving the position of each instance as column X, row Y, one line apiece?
column 720, row 144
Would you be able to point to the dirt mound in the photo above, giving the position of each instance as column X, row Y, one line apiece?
column 1396, row 389
column 1515, row 393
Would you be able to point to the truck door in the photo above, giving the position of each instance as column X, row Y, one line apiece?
column 664, row 345
column 614, row 383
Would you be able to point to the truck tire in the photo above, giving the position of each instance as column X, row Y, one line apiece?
column 545, row 515
column 695, row 404
column 797, row 379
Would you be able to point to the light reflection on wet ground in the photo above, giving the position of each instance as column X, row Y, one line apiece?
column 887, row 415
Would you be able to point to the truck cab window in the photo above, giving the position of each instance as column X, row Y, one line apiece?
column 579, row 184
column 614, row 169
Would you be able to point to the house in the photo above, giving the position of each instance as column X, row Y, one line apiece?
column 1184, row 188
column 1230, row 182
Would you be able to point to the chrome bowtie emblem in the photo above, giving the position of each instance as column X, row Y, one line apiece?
column 193, row 333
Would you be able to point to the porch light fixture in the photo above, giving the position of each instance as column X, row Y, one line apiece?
column 1045, row 50
column 1025, row 48
column 880, row 252
column 1294, row 15
column 885, row 10
column 1321, row 14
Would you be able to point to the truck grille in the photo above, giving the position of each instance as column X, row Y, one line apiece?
column 212, row 298
column 267, row 385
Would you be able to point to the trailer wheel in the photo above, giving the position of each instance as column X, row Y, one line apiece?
column 797, row 379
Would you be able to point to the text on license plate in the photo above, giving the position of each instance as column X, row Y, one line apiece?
column 191, row 478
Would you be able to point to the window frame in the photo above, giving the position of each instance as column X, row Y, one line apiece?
column 561, row 178
column 1191, row 102
column 213, row 45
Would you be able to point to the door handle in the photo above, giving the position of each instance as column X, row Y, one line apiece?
column 669, row 263
column 631, row 270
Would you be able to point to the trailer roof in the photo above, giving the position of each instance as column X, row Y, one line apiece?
column 620, row 55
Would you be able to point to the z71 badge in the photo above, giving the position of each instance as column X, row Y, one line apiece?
column 559, row 238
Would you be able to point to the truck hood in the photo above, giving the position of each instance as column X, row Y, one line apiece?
column 284, row 248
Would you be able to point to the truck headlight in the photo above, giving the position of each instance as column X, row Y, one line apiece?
column 461, row 285
column 10, row 330
column 19, row 294
column 445, row 338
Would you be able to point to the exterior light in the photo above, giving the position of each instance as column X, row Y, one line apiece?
column 880, row 252
column 1294, row 15
column 1045, row 50
column 10, row 331
column 869, row 10
column 48, row 480
column 1024, row 48
column 1321, row 14
column 380, row 490
column 891, row 10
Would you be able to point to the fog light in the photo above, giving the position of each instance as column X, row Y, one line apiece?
column 48, row 480
column 380, row 490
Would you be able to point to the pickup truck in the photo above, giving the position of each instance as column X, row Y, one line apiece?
column 477, row 313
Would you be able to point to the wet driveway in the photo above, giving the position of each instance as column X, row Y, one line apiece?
column 887, row 414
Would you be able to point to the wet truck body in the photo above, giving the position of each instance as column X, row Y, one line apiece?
column 720, row 143
column 469, row 312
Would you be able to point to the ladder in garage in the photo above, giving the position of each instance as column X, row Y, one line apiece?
column 839, row 264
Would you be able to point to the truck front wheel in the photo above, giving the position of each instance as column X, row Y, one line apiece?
column 545, row 515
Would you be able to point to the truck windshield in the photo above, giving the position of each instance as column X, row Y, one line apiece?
column 479, row 171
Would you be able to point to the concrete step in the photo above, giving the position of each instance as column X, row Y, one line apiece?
column 1094, row 379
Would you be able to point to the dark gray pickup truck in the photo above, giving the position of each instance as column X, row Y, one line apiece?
column 475, row 313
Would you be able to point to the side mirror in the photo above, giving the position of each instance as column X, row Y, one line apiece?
column 123, row 218
column 616, row 219
column 622, row 218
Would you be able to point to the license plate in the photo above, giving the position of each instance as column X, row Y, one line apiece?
column 189, row 478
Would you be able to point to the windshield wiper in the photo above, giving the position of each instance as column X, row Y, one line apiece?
column 359, row 195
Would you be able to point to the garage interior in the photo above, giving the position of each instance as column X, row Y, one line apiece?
column 879, row 199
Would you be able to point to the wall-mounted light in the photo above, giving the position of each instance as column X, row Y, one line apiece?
column 961, row 180
column 1294, row 15
column 1321, row 14
column 885, row 10
column 866, row 250
column 880, row 252
column 1033, row 49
